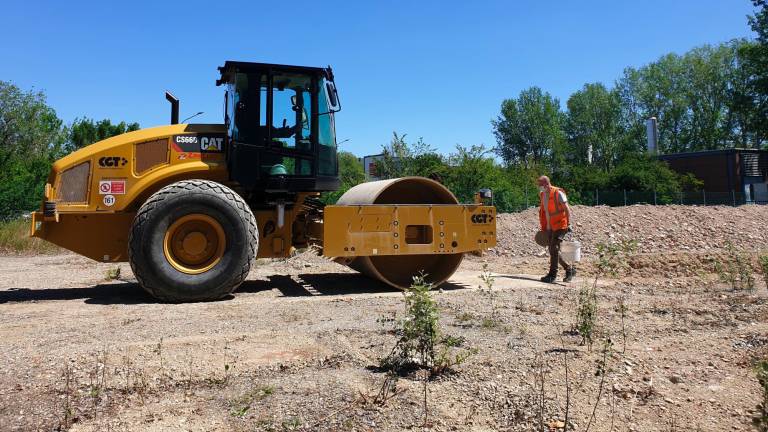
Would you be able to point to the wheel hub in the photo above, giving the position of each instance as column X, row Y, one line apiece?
column 194, row 243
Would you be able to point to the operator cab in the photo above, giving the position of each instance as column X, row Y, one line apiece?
column 280, row 127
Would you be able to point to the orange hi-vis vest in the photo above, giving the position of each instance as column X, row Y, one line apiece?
column 558, row 219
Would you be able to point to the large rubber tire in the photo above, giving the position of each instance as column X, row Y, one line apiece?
column 146, row 244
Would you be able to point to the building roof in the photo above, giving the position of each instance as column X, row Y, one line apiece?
column 231, row 67
column 710, row 153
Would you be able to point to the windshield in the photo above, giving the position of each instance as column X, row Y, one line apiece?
column 288, row 114
column 291, row 110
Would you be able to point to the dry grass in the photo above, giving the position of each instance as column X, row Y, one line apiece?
column 14, row 238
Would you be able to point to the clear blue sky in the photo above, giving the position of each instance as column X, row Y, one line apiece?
column 432, row 69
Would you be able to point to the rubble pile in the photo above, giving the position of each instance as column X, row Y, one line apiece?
column 655, row 228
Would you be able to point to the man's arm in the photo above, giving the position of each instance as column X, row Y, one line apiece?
column 568, row 214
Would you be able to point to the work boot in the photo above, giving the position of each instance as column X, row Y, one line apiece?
column 569, row 274
column 550, row 278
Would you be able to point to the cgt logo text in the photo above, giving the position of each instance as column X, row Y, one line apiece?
column 201, row 143
column 482, row 218
column 112, row 162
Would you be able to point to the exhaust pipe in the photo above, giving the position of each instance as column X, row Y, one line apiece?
column 174, row 107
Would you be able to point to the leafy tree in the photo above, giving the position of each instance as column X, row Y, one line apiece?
column 708, row 74
column 759, row 21
column 640, row 172
column 28, row 126
column 31, row 137
column 747, row 123
column 752, row 102
column 647, row 174
column 401, row 159
column 633, row 112
column 472, row 169
column 429, row 163
column 581, row 182
column 529, row 129
column 85, row 131
column 594, row 125
column 701, row 99
column 351, row 173
column 656, row 90
column 22, row 186
column 395, row 160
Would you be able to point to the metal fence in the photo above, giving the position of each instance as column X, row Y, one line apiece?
column 629, row 197
column 625, row 197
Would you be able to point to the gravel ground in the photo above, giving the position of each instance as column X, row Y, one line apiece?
column 297, row 347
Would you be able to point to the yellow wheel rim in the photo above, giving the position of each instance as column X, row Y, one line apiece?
column 194, row 243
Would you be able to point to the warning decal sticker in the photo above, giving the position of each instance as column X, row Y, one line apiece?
column 112, row 187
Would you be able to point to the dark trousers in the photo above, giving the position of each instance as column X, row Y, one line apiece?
column 555, row 238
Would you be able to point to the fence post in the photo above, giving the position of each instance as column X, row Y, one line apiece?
column 625, row 197
column 704, row 194
column 597, row 197
column 733, row 196
column 654, row 197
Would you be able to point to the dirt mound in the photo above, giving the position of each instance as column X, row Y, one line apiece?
column 656, row 228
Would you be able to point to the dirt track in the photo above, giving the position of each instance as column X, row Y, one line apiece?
column 296, row 349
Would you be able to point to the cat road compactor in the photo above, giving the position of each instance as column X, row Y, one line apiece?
column 191, row 206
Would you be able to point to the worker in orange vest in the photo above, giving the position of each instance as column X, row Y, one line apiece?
column 555, row 220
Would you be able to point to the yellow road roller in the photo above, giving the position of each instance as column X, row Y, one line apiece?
column 191, row 206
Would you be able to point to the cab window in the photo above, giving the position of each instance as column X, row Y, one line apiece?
column 292, row 111
column 326, row 139
column 248, row 104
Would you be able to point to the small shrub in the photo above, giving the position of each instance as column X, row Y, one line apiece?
column 612, row 257
column 523, row 329
column 292, row 423
column 602, row 371
column 489, row 323
column 586, row 314
column 761, row 419
column 421, row 345
column 622, row 309
column 465, row 317
column 239, row 406
column 737, row 269
column 764, row 267
column 488, row 280
column 112, row 274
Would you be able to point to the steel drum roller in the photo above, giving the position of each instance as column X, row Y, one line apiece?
column 398, row 270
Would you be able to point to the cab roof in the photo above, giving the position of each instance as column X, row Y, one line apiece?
column 232, row 67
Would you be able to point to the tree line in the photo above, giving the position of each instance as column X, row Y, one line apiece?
column 704, row 99
column 711, row 97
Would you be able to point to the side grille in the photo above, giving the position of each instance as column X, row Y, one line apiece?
column 751, row 164
column 73, row 184
column 150, row 154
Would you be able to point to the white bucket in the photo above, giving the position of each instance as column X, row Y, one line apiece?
column 570, row 251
